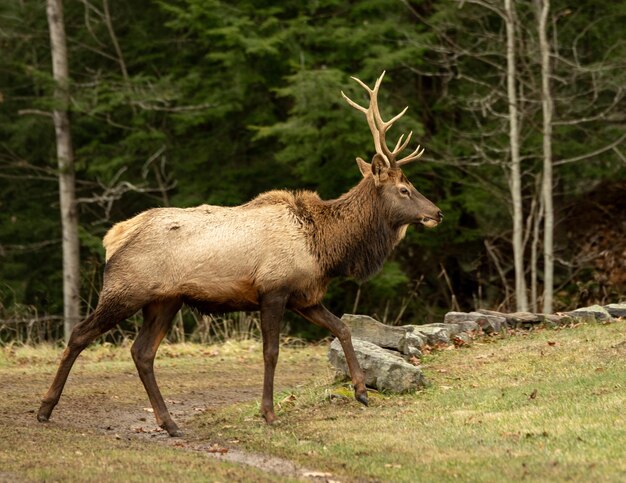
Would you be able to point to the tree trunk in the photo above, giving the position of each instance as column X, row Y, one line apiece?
column 543, row 8
column 534, row 252
column 65, row 159
column 521, row 297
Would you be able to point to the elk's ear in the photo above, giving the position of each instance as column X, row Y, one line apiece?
column 364, row 167
column 380, row 170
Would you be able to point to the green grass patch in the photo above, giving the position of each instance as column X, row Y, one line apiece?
column 544, row 406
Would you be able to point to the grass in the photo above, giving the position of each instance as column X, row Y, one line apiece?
column 542, row 406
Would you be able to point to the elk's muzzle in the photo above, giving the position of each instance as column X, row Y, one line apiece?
column 432, row 222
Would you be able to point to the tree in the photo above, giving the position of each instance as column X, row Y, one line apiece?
column 543, row 10
column 521, row 297
column 65, row 157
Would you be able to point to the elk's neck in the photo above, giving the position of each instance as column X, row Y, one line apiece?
column 352, row 235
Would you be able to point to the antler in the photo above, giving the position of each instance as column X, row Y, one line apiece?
column 379, row 128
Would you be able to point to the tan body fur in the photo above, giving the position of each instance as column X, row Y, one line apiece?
column 225, row 257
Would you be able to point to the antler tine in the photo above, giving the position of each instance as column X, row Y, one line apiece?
column 395, row 150
column 354, row 104
column 398, row 148
column 364, row 85
column 390, row 122
column 411, row 157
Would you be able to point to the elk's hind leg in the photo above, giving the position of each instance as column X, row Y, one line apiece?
column 106, row 316
column 272, row 310
column 157, row 319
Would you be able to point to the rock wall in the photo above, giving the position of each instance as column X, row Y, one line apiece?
column 389, row 355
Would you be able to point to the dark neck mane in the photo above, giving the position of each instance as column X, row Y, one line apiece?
column 351, row 235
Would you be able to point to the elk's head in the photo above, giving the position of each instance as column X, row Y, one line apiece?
column 404, row 204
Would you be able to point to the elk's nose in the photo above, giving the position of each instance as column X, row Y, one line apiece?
column 440, row 215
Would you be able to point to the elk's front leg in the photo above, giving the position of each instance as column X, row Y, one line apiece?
column 320, row 315
column 272, row 310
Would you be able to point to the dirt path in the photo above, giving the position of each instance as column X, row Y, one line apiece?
column 108, row 398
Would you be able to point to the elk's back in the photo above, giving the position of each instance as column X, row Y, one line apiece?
column 216, row 255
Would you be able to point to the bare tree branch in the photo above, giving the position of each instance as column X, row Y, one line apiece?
column 593, row 153
column 619, row 96
column 34, row 112
column 152, row 107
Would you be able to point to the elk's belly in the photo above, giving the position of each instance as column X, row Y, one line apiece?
column 220, row 296
column 212, row 307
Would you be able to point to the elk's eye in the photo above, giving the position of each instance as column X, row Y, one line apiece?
column 404, row 191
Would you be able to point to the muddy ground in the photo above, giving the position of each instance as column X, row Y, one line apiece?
column 104, row 395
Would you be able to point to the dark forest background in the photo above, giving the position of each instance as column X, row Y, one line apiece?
column 184, row 102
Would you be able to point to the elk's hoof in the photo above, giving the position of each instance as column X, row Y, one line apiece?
column 43, row 415
column 362, row 398
column 269, row 417
column 172, row 429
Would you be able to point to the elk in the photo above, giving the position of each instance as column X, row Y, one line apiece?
column 276, row 252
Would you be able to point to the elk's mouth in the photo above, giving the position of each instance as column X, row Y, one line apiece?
column 429, row 222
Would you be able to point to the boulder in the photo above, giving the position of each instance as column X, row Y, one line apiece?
column 413, row 342
column 491, row 325
column 515, row 319
column 462, row 339
column 556, row 320
column 366, row 328
column 435, row 335
column 403, row 339
column 592, row 313
column 457, row 317
column 468, row 326
column 383, row 370
column 452, row 329
column 616, row 310
column 488, row 323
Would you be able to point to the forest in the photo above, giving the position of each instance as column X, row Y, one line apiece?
column 519, row 106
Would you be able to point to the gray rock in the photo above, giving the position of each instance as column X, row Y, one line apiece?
column 412, row 352
column 434, row 335
column 413, row 342
column 402, row 339
column 366, row 328
column 525, row 317
column 616, row 310
column 462, row 339
column 589, row 314
column 488, row 322
column 491, row 325
column 468, row 326
column 515, row 319
column 383, row 370
column 452, row 329
column 556, row 320
column 456, row 317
